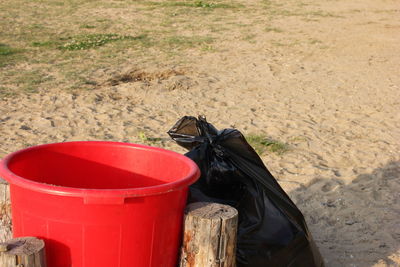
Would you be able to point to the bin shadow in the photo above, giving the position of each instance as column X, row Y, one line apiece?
column 355, row 224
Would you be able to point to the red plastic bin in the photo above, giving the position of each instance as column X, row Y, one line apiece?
column 100, row 204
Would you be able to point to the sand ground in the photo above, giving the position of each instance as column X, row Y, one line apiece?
column 326, row 85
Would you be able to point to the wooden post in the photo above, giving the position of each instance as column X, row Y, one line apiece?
column 209, row 238
column 5, row 211
column 4, row 191
column 22, row 252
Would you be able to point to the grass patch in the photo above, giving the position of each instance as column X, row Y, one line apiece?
column 188, row 41
column 6, row 50
column 149, row 140
column 322, row 14
column 250, row 38
column 196, row 4
column 278, row 44
column 208, row 48
column 315, row 41
column 88, row 41
column 8, row 54
column 5, row 92
column 72, row 44
column 262, row 144
column 31, row 81
column 87, row 26
column 387, row 11
column 285, row 42
column 273, row 29
column 267, row 3
column 45, row 44
column 273, row 11
column 36, row 26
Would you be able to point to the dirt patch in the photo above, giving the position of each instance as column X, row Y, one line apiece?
column 143, row 76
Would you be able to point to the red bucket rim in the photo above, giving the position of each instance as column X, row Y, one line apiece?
column 13, row 179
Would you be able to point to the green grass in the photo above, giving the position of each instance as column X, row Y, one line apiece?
column 262, row 144
column 267, row 3
column 144, row 139
column 87, row 26
column 6, row 92
column 188, row 41
column 6, row 50
column 250, row 38
column 208, row 48
column 196, row 4
column 386, row 11
column 322, row 14
column 293, row 13
column 8, row 54
column 88, row 41
column 315, row 41
column 273, row 29
column 45, row 44
column 79, row 44
column 31, row 81
column 285, row 42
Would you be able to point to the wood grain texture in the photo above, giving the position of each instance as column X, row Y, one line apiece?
column 23, row 252
column 5, row 211
column 209, row 238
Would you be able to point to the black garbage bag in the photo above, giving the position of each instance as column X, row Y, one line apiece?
column 272, row 230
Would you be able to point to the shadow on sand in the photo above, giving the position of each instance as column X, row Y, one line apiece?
column 355, row 224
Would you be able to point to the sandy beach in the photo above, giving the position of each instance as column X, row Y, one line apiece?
column 328, row 87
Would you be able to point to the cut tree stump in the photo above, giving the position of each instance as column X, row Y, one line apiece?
column 209, row 238
column 4, row 191
column 5, row 211
column 23, row 252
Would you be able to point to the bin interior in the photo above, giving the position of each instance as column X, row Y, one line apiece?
column 98, row 166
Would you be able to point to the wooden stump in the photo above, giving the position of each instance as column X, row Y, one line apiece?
column 4, row 191
column 22, row 252
column 5, row 211
column 209, row 236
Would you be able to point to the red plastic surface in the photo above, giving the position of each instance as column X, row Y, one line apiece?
column 100, row 204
